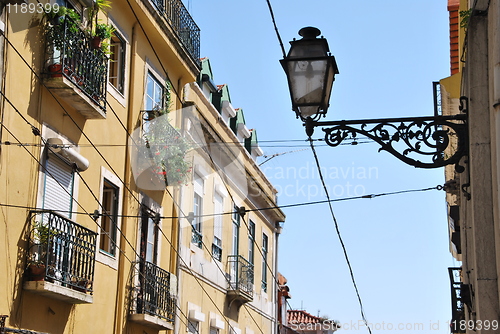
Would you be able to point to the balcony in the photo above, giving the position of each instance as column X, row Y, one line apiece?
column 241, row 282
column 153, row 292
column 180, row 21
column 77, row 71
column 61, row 258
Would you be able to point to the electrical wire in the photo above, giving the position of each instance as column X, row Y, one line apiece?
column 271, row 12
column 370, row 196
column 340, row 239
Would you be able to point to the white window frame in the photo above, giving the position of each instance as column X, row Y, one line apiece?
column 218, row 223
column 101, row 256
column 157, row 77
column 121, row 97
column 198, row 193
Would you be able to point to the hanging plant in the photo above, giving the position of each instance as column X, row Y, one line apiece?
column 166, row 147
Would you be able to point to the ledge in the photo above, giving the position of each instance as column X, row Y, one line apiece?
column 55, row 291
column 151, row 321
column 239, row 296
column 73, row 95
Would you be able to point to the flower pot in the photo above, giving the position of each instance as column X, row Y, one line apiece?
column 36, row 272
column 55, row 70
column 95, row 42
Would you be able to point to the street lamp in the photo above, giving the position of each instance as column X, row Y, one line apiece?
column 310, row 70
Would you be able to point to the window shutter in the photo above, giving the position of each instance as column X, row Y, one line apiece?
column 59, row 181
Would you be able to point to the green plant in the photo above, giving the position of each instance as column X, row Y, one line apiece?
column 99, row 5
column 166, row 148
column 41, row 235
column 104, row 30
column 54, row 13
column 464, row 18
column 169, row 159
column 56, row 31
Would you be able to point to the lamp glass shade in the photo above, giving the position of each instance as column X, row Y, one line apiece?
column 310, row 72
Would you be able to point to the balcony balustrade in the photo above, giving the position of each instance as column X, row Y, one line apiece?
column 242, row 278
column 177, row 16
column 61, row 257
column 78, row 70
column 153, row 292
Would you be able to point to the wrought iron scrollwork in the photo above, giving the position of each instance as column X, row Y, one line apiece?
column 438, row 141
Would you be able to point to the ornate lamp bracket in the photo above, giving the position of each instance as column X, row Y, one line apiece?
column 423, row 142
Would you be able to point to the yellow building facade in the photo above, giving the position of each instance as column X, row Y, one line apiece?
column 100, row 162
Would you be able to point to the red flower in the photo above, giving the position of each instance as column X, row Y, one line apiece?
column 157, row 153
column 178, row 170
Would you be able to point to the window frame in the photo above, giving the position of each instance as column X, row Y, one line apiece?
column 196, row 224
column 265, row 251
column 120, row 61
column 218, row 225
column 155, row 79
column 109, row 217
column 235, row 217
column 251, row 242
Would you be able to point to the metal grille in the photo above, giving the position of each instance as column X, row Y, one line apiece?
column 65, row 248
column 176, row 14
column 153, row 291
column 86, row 67
column 241, row 274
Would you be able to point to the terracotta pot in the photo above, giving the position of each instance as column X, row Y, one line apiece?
column 55, row 70
column 95, row 42
column 36, row 272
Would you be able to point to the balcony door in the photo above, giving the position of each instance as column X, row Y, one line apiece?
column 147, row 301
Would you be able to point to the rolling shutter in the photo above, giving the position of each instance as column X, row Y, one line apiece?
column 59, row 177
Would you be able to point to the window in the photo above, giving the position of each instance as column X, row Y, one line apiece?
column 251, row 241
column 236, row 230
column 197, row 237
column 154, row 93
column 117, row 62
column 264, row 261
column 193, row 327
column 214, row 330
column 149, row 235
column 59, row 184
column 110, row 195
column 218, row 210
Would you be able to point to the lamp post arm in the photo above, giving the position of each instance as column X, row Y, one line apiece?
column 436, row 141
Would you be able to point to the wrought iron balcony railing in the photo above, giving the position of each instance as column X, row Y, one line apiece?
column 181, row 22
column 70, row 49
column 61, row 251
column 197, row 238
column 242, row 275
column 153, row 291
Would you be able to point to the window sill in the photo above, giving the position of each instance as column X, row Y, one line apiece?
column 107, row 259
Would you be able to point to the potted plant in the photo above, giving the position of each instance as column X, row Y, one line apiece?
column 54, row 14
column 166, row 149
column 60, row 23
column 40, row 238
column 102, row 32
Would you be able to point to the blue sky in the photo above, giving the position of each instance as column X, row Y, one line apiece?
column 388, row 53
